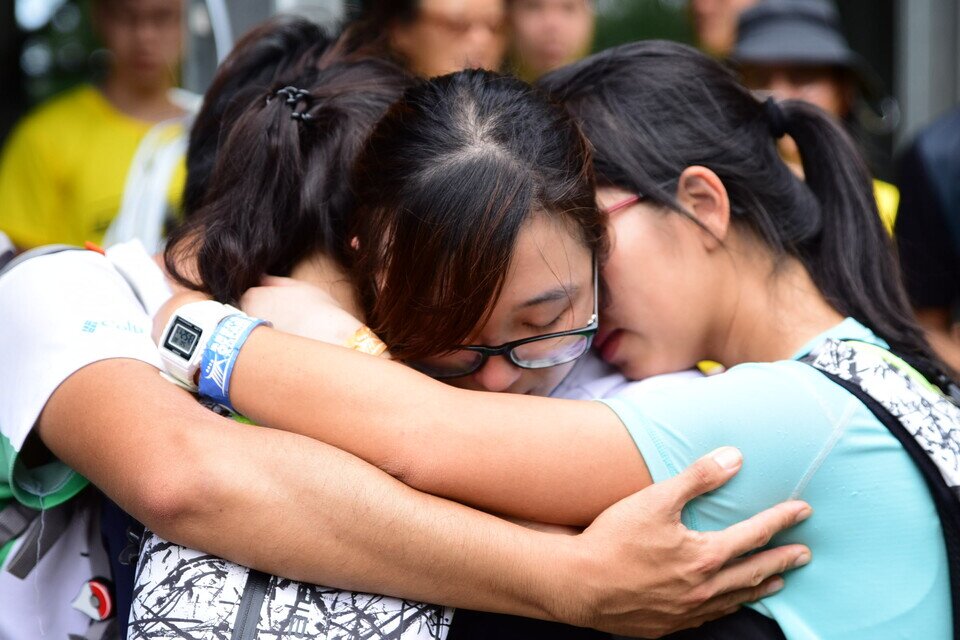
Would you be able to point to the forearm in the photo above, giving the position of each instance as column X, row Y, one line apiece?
column 286, row 504
column 533, row 458
column 344, row 523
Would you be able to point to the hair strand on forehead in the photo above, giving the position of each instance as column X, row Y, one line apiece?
column 444, row 187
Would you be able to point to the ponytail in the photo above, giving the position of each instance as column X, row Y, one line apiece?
column 279, row 188
column 282, row 46
column 238, row 235
column 851, row 260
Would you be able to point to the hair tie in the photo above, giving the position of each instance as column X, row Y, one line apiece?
column 292, row 97
column 776, row 120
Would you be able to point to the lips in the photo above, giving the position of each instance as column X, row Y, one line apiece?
column 608, row 343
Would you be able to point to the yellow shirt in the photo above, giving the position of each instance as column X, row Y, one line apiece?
column 888, row 201
column 63, row 170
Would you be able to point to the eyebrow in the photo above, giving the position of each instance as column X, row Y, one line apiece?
column 557, row 293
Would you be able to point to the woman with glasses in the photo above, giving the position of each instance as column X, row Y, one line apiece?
column 718, row 252
column 275, row 203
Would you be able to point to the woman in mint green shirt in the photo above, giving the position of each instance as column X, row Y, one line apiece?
column 717, row 252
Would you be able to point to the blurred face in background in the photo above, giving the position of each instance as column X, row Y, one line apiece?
column 547, row 34
column 449, row 35
column 145, row 38
column 827, row 87
column 715, row 23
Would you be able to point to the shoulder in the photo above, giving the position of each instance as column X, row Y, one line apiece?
column 53, row 119
column 60, row 313
column 754, row 407
column 769, row 387
column 61, row 109
column 938, row 142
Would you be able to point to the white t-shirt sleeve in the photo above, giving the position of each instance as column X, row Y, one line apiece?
column 58, row 313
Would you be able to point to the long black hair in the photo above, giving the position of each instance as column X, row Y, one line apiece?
column 651, row 109
column 279, row 189
column 444, row 186
column 277, row 47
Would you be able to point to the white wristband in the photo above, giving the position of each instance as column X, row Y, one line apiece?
column 186, row 335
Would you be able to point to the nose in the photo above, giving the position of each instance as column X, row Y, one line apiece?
column 497, row 374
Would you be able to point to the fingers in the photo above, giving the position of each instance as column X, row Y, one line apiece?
column 706, row 474
column 750, row 576
column 757, row 531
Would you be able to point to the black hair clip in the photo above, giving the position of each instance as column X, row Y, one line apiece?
column 292, row 97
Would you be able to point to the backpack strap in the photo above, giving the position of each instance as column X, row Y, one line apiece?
column 44, row 529
column 8, row 261
column 15, row 518
column 884, row 388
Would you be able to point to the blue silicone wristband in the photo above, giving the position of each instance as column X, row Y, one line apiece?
column 220, row 355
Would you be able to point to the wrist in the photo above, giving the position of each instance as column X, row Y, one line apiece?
column 221, row 354
column 567, row 591
column 186, row 336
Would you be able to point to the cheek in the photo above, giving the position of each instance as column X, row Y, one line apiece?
column 542, row 382
column 638, row 270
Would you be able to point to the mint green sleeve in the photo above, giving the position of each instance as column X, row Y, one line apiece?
column 779, row 415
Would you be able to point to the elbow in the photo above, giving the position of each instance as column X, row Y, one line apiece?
column 417, row 467
column 166, row 506
column 171, row 498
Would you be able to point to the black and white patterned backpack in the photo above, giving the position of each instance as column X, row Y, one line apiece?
column 923, row 416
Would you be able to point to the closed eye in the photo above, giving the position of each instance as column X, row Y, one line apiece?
column 546, row 327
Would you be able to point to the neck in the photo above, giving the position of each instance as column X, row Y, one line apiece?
column 776, row 310
column 150, row 103
column 324, row 272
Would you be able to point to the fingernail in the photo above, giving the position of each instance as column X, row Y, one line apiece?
column 727, row 457
column 775, row 585
column 802, row 560
column 803, row 514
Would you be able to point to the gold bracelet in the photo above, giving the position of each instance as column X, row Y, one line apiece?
column 366, row 341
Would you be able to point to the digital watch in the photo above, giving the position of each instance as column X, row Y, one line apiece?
column 186, row 335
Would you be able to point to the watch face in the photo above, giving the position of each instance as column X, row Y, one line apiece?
column 182, row 338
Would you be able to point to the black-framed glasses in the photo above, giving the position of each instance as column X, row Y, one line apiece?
column 535, row 352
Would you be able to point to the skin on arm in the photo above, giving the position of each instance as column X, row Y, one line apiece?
column 547, row 460
column 292, row 506
column 280, row 502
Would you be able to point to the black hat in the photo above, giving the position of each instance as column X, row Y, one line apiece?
column 803, row 32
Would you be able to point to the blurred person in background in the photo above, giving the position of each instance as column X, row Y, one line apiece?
column 434, row 37
column 63, row 170
column 795, row 50
column 928, row 231
column 547, row 34
column 715, row 24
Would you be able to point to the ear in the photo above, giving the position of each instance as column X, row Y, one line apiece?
column 701, row 192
